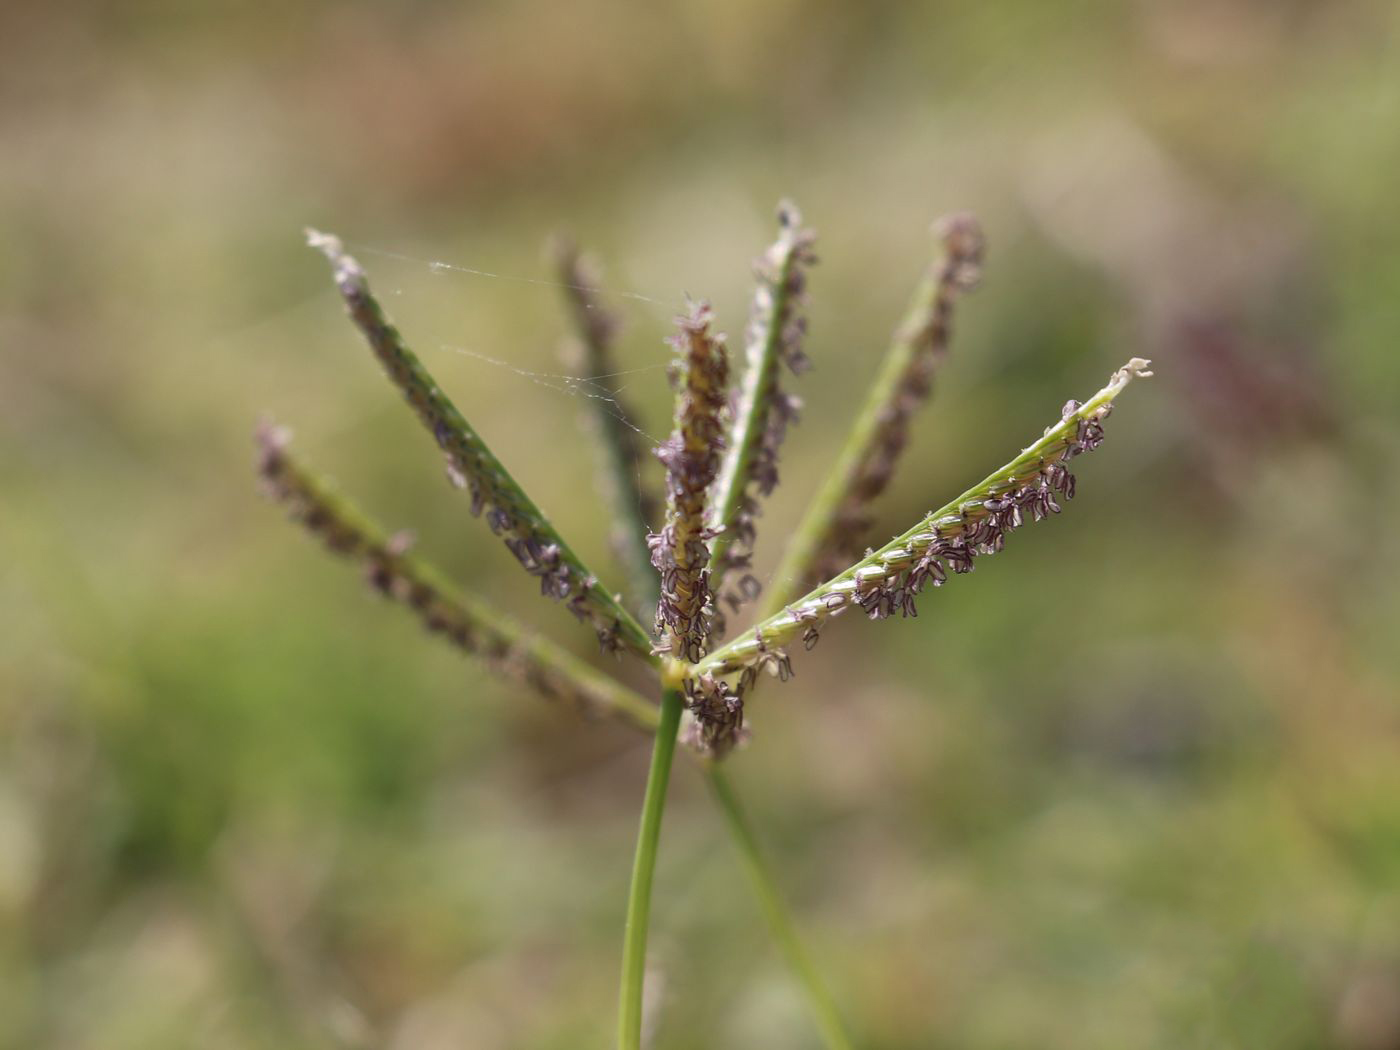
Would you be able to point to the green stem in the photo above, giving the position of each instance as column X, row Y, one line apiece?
column 775, row 912
column 634, row 945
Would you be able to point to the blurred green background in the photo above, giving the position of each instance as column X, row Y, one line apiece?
column 1135, row 784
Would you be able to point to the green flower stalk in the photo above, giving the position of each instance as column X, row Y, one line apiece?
column 833, row 531
column 763, row 410
column 775, row 913
column 591, row 350
column 634, row 936
column 948, row 540
column 471, row 464
column 468, row 622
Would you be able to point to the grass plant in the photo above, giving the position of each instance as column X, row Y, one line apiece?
column 720, row 461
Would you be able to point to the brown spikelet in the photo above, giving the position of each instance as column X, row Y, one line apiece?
column 716, row 725
column 691, row 456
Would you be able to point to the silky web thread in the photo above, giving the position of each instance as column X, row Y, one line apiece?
column 559, row 382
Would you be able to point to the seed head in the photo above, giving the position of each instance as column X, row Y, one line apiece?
column 947, row 543
column 763, row 410
column 691, row 456
column 717, row 716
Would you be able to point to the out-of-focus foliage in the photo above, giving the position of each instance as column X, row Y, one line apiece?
column 1136, row 783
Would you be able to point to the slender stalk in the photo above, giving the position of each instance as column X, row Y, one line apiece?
column 528, row 532
column 634, row 943
column 833, row 529
column 770, row 902
column 634, row 507
column 468, row 622
column 949, row 538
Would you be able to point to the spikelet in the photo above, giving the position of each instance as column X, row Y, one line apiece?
column 691, row 456
column 716, row 724
column 509, row 511
column 763, row 409
column 468, row 623
column 947, row 541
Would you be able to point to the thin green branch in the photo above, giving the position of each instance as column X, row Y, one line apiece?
column 634, row 944
column 948, row 539
column 528, row 533
column 469, row 623
column 833, row 530
column 775, row 913
column 763, row 410
column 634, row 506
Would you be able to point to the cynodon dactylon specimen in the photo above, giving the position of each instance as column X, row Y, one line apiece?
column 689, row 556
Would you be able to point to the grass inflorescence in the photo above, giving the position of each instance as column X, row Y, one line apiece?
column 763, row 409
column 720, row 461
column 592, row 350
